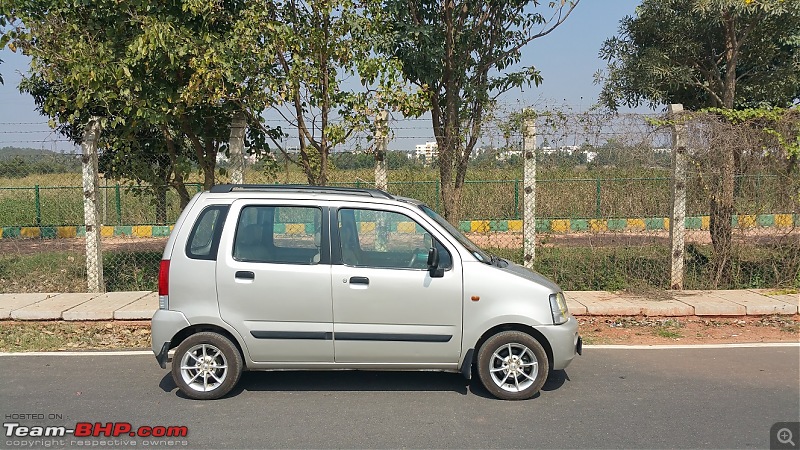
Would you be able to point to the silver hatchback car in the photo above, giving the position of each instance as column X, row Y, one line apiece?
column 261, row 277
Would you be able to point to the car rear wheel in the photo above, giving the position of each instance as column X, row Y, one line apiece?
column 206, row 366
column 512, row 365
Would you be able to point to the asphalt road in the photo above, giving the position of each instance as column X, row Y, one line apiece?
column 720, row 398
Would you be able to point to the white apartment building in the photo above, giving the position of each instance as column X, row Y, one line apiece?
column 427, row 151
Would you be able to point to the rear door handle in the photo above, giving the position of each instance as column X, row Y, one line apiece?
column 359, row 280
column 245, row 275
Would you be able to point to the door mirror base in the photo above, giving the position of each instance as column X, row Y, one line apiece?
column 433, row 263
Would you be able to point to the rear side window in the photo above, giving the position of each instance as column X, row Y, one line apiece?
column 204, row 238
column 278, row 234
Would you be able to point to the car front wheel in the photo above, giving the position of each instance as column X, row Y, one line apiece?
column 512, row 365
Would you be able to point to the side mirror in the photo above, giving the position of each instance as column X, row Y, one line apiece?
column 433, row 263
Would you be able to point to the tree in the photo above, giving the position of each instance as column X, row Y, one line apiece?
column 328, row 80
column 460, row 53
column 707, row 53
column 150, row 71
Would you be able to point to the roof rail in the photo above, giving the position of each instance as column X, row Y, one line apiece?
column 298, row 188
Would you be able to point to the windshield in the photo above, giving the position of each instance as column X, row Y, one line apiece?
column 479, row 254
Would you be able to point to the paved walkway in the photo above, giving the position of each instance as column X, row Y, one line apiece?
column 141, row 305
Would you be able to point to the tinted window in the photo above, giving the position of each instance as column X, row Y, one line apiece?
column 278, row 234
column 204, row 238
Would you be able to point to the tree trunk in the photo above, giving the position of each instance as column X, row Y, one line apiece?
column 183, row 193
column 161, row 204
column 721, row 218
column 721, row 207
column 177, row 177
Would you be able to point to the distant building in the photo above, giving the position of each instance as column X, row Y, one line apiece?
column 427, row 151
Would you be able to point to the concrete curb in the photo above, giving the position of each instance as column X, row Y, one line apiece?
column 140, row 305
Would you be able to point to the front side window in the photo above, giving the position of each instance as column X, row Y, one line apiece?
column 385, row 239
column 278, row 234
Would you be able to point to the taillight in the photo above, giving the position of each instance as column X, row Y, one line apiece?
column 163, row 284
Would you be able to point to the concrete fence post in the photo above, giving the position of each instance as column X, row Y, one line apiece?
column 381, row 175
column 677, row 225
column 91, row 182
column 381, row 138
column 236, row 147
column 529, row 190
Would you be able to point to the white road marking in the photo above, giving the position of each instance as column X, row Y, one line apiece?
column 586, row 346
column 83, row 353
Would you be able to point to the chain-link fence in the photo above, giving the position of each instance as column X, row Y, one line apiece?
column 603, row 206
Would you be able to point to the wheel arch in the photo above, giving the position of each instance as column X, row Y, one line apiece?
column 211, row 328
column 527, row 329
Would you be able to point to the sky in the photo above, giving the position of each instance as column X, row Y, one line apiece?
column 567, row 59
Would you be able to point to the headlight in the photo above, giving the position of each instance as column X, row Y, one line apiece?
column 558, row 306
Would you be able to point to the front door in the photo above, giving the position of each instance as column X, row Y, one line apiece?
column 386, row 306
column 273, row 281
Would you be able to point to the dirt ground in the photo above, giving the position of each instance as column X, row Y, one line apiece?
column 688, row 330
column 17, row 336
column 78, row 245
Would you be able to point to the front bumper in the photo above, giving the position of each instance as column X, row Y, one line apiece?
column 565, row 342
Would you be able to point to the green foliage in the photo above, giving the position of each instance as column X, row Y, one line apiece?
column 616, row 268
column 701, row 53
column 18, row 167
column 162, row 77
column 395, row 160
column 461, row 54
column 131, row 271
column 304, row 52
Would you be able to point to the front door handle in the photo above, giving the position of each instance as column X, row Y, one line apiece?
column 359, row 280
column 245, row 275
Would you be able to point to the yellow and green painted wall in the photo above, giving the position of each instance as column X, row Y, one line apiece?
column 780, row 221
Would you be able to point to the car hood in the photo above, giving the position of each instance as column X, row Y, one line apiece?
column 530, row 275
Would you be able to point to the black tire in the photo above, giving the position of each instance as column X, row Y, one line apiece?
column 217, row 372
column 517, row 361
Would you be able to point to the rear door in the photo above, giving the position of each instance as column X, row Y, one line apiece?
column 273, row 280
column 387, row 307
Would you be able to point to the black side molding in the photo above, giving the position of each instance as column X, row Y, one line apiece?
column 393, row 337
column 308, row 335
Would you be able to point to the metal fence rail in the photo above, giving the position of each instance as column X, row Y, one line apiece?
column 569, row 198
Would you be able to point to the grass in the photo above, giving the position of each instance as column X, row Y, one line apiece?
column 43, row 272
column 647, row 267
column 669, row 329
column 489, row 193
column 65, row 272
column 634, row 269
column 53, row 336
